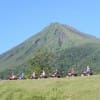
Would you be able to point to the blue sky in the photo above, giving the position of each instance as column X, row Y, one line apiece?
column 20, row 19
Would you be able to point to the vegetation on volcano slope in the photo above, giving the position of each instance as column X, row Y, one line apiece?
column 56, row 46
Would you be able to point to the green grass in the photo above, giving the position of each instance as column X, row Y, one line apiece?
column 79, row 88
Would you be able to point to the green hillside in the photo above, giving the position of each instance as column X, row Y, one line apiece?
column 80, row 88
column 56, row 46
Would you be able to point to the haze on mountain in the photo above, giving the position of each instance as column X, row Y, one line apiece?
column 56, row 46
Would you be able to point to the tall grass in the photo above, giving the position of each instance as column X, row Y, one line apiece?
column 80, row 88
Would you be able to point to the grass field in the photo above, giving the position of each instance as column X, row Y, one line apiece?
column 79, row 88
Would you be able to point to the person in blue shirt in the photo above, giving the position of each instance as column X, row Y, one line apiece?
column 22, row 76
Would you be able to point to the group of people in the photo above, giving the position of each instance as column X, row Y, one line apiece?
column 35, row 76
column 86, row 72
column 15, row 77
column 55, row 73
column 43, row 74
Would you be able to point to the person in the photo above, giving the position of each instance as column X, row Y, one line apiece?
column 12, row 76
column 73, row 71
column 43, row 73
column 69, row 74
column 84, row 73
column 88, row 69
column 22, row 76
column 33, row 75
column 57, row 73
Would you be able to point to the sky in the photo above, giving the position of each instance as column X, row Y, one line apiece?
column 21, row 19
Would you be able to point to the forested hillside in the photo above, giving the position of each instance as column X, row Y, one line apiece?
column 56, row 46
